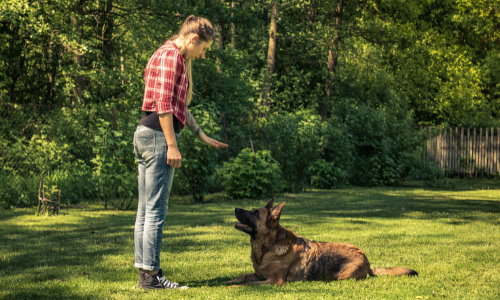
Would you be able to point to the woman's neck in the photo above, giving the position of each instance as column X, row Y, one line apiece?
column 181, row 44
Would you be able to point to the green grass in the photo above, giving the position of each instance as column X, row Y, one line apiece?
column 451, row 237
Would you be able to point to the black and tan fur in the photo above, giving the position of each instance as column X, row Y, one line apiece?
column 279, row 255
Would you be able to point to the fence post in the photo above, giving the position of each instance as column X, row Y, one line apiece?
column 447, row 150
column 438, row 149
column 469, row 151
column 474, row 157
column 457, row 153
column 453, row 137
column 481, row 155
column 485, row 148
column 462, row 169
column 492, row 140
column 431, row 148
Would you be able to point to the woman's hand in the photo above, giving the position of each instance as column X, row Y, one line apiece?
column 174, row 157
column 211, row 142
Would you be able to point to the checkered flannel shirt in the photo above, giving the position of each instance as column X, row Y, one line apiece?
column 166, row 83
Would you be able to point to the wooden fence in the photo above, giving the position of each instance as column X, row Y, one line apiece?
column 464, row 152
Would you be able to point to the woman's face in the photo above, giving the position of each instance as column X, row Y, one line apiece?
column 197, row 49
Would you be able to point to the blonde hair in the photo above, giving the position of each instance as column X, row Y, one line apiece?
column 203, row 28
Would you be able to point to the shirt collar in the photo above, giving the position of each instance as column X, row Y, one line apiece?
column 170, row 43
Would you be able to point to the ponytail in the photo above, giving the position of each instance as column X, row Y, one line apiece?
column 206, row 33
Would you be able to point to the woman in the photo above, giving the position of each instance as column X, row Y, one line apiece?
column 168, row 92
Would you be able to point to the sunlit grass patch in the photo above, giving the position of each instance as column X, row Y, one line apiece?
column 451, row 237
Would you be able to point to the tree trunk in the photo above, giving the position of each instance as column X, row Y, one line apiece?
column 233, row 28
column 78, row 59
column 271, row 52
column 332, row 59
column 108, row 34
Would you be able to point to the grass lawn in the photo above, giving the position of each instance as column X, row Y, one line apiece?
column 450, row 237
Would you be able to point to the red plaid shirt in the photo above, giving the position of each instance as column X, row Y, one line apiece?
column 166, row 83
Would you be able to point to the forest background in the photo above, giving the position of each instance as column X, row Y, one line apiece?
column 331, row 92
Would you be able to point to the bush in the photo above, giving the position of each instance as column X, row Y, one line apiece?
column 431, row 175
column 52, row 139
column 298, row 140
column 75, row 184
column 325, row 175
column 385, row 146
column 251, row 175
column 115, row 169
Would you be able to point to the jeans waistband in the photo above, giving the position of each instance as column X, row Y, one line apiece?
column 143, row 128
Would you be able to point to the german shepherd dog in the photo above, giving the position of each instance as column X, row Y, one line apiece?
column 279, row 255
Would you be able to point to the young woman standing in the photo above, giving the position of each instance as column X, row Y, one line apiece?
column 168, row 92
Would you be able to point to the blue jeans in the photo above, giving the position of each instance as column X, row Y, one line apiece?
column 155, row 182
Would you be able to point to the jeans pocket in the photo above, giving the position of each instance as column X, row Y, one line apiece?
column 145, row 144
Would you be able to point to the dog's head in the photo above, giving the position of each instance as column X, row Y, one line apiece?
column 258, row 221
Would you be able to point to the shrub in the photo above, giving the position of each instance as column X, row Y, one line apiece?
column 251, row 175
column 325, row 175
column 430, row 175
column 384, row 144
column 298, row 140
column 75, row 184
column 115, row 170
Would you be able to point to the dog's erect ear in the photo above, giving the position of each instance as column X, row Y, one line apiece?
column 276, row 211
column 269, row 204
column 274, row 216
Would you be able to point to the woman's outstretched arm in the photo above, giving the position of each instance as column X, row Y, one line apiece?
column 195, row 128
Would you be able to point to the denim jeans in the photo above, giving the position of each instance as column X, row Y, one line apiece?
column 155, row 181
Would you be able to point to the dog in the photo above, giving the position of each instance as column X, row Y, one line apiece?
column 279, row 255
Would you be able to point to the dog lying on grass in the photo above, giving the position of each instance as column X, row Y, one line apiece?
column 279, row 255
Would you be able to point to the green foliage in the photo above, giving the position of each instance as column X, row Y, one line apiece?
column 251, row 175
column 115, row 171
column 403, row 63
column 22, row 191
column 384, row 144
column 297, row 140
column 50, row 139
column 325, row 175
column 198, row 159
column 10, row 192
column 431, row 175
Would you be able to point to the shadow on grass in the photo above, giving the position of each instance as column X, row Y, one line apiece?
column 81, row 245
column 49, row 293
column 366, row 204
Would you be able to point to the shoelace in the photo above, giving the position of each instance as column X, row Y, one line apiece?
column 166, row 283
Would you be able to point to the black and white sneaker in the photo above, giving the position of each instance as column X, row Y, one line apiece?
column 142, row 278
column 158, row 281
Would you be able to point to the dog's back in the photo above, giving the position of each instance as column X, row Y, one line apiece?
column 335, row 261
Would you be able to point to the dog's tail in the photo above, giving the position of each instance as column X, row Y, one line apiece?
column 396, row 271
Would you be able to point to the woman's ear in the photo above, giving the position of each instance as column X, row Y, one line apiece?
column 194, row 39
